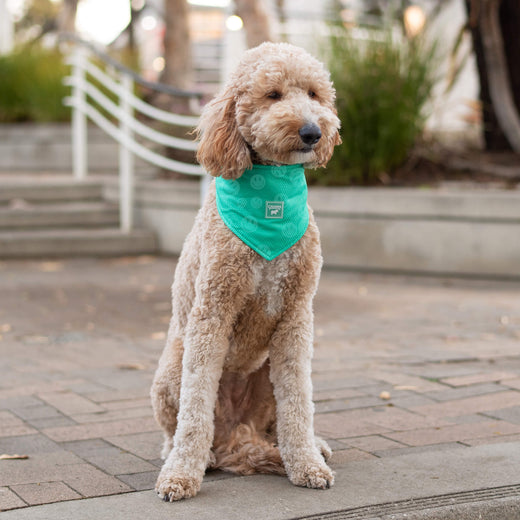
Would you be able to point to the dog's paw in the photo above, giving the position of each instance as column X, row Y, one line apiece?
column 316, row 476
column 323, row 448
column 173, row 487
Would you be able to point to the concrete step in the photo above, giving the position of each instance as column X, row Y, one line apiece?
column 47, row 243
column 53, row 189
column 24, row 215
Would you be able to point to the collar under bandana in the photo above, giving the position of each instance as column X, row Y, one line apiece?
column 266, row 207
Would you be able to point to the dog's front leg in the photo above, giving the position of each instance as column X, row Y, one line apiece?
column 290, row 355
column 205, row 346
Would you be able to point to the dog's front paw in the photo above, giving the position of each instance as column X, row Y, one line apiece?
column 312, row 475
column 172, row 487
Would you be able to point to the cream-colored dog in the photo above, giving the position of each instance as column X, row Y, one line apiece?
column 233, row 387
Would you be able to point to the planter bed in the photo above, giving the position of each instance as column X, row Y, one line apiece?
column 452, row 230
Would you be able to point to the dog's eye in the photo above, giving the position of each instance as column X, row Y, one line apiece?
column 274, row 95
column 312, row 94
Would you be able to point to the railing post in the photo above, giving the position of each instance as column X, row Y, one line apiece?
column 126, row 159
column 79, row 118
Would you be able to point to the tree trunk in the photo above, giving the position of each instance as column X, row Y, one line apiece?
column 256, row 21
column 67, row 16
column 497, row 49
column 177, row 45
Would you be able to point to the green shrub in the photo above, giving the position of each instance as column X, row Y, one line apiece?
column 382, row 84
column 31, row 87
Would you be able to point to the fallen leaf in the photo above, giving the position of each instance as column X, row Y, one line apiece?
column 36, row 340
column 385, row 395
column 362, row 291
column 131, row 366
column 51, row 267
column 159, row 335
column 5, row 327
column 5, row 456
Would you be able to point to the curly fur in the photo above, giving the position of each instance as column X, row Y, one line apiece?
column 233, row 387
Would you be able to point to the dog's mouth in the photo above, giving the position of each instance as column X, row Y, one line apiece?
column 306, row 149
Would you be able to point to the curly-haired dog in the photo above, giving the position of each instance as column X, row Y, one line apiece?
column 233, row 387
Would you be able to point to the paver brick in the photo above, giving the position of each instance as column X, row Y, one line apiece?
column 113, row 415
column 340, row 425
column 145, row 445
column 372, row 443
column 511, row 415
column 120, row 395
column 10, row 425
column 415, row 450
column 349, row 455
column 19, row 401
column 9, row 500
column 454, row 433
column 37, row 412
column 513, row 383
column 484, row 403
column 140, row 481
column 45, row 492
column 51, row 422
column 346, row 404
column 111, row 459
column 340, row 393
column 103, row 429
column 392, row 418
column 484, row 377
column 451, row 394
column 92, row 482
column 28, row 445
column 492, row 440
column 42, row 467
column 70, row 403
column 127, row 403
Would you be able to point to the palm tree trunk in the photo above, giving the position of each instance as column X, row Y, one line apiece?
column 177, row 45
column 256, row 21
column 495, row 25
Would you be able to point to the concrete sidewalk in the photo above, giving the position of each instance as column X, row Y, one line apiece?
column 416, row 383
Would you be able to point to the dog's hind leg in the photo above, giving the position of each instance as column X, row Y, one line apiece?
column 245, row 425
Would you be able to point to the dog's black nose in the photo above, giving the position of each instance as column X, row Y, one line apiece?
column 310, row 133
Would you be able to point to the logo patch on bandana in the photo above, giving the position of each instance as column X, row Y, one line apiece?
column 274, row 209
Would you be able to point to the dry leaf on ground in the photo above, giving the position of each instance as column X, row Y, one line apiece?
column 5, row 456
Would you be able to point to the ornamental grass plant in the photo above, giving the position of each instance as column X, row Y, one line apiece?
column 383, row 81
column 31, row 87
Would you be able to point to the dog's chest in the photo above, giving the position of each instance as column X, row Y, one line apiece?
column 249, row 342
column 270, row 280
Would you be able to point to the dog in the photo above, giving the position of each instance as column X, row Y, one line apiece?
column 233, row 386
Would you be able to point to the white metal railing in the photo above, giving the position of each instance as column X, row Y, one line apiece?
column 123, row 126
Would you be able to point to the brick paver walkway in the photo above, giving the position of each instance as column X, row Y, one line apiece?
column 401, row 366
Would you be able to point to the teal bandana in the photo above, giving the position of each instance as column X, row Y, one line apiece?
column 266, row 207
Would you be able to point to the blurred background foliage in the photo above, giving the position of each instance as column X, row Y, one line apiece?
column 383, row 83
column 31, row 88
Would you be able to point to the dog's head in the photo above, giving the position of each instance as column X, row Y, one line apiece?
column 278, row 108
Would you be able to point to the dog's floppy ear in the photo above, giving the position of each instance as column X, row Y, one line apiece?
column 222, row 149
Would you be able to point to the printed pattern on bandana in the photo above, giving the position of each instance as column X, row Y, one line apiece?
column 266, row 207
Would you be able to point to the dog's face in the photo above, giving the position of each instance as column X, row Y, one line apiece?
column 278, row 107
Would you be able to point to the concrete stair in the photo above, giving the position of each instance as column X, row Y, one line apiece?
column 44, row 216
